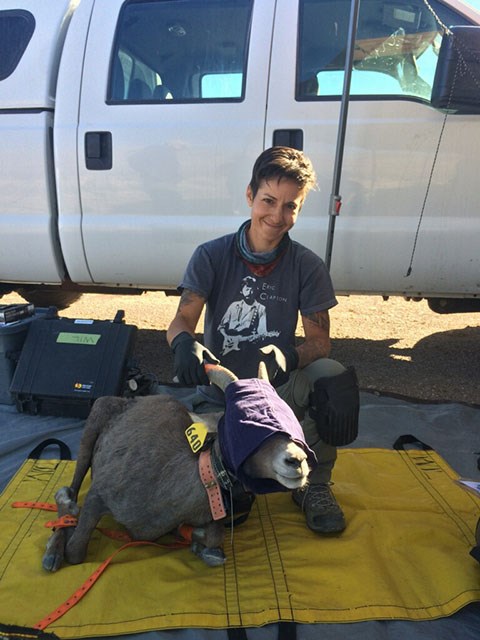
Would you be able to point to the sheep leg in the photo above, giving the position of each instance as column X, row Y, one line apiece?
column 207, row 541
column 66, row 499
column 55, row 549
column 58, row 545
column 77, row 544
column 104, row 410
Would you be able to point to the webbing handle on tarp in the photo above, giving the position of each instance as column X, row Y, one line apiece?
column 14, row 632
column 286, row 631
column 401, row 441
column 65, row 453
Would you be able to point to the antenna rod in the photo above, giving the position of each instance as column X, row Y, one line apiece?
column 335, row 197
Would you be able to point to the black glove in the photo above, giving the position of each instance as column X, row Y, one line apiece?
column 189, row 356
column 279, row 362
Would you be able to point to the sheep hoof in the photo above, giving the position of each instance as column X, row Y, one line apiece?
column 212, row 556
column 54, row 552
column 51, row 562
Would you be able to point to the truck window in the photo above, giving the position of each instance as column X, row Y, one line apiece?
column 396, row 48
column 16, row 29
column 180, row 51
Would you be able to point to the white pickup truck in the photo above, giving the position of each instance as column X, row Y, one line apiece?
column 128, row 129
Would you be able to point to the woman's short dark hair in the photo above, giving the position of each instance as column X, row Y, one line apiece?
column 283, row 162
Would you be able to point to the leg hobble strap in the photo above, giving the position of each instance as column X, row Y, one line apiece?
column 335, row 406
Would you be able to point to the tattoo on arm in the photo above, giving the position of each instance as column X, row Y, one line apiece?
column 187, row 315
column 322, row 320
column 187, row 298
column 317, row 338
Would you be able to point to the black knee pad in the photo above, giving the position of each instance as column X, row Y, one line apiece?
column 335, row 406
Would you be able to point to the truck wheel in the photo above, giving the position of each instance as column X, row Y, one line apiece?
column 454, row 305
column 49, row 296
column 5, row 290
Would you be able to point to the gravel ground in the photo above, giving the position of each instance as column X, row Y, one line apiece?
column 397, row 347
column 404, row 348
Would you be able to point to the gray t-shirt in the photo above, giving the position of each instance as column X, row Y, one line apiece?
column 245, row 311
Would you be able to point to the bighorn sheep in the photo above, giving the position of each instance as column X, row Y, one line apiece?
column 145, row 474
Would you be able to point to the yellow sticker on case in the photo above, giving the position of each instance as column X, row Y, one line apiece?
column 196, row 435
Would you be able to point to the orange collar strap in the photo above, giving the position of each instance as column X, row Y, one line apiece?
column 212, row 487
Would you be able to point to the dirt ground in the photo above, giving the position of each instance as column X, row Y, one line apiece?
column 396, row 346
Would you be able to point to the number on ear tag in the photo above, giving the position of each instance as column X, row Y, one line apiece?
column 196, row 435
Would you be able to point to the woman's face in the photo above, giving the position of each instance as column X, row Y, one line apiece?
column 275, row 208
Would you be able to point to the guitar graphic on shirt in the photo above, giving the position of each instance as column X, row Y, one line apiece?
column 231, row 343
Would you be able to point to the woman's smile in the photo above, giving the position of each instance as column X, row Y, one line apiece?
column 275, row 208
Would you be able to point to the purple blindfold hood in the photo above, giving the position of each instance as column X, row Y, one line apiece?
column 253, row 413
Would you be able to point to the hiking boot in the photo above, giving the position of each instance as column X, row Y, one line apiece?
column 322, row 512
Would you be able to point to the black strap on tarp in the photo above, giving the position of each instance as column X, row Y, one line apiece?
column 65, row 453
column 475, row 553
column 237, row 633
column 12, row 632
column 401, row 441
column 399, row 445
column 286, row 631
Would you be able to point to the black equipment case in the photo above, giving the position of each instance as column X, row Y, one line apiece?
column 12, row 336
column 66, row 364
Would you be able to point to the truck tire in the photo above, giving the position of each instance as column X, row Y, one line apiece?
column 5, row 290
column 49, row 296
column 454, row 305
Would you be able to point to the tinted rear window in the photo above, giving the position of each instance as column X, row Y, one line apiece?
column 181, row 51
column 16, row 29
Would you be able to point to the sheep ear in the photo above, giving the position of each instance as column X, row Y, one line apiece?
column 262, row 371
column 219, row 375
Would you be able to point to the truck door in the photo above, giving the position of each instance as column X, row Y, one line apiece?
column 171, row 118
column 28, row 244
column 408, row 181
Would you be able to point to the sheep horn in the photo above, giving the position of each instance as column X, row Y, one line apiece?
column 219, row 375
column 262, row 371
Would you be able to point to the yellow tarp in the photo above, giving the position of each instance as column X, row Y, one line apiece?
column 404, row 555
